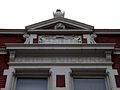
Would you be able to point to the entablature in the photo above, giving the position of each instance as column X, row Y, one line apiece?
column 60, row 31
column 60, row 54
column 60, row 49
column 98, row 46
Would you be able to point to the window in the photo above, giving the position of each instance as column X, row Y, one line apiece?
column 31, row 79
column 89, row 84
column 84, row 79
column 31, row 84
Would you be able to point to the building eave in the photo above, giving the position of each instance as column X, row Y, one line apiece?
column 12, row 31
column 98, row 46
column 107, row 31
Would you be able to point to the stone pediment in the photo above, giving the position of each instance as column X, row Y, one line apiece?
column 60, row 23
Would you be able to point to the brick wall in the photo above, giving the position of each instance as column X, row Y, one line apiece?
column 4, row 58
column 116, row 65
column 115, row 58
column 3, row 65
column 10, row 39
column 109, row 39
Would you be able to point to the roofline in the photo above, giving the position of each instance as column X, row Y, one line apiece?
column 12, row 31
column 22, row 31
column 107, row 31
column 53, row 20
column 84, row 46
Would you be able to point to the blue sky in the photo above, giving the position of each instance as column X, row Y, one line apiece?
column 101, row 14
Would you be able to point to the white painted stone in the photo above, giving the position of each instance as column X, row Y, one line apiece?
column 62, row 59
column 90, row 38
column 9, row 82
column 59, row 39
column 111, row 75
column 29, row 38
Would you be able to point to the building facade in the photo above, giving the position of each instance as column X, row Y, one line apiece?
column 59, row 54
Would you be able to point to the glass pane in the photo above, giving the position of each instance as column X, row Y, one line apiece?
column 31, row 84
column 89, row 84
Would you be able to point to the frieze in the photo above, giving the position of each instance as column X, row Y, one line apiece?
column 59, row 39
column 62, row 59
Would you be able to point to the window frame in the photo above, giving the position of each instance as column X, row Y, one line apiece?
column 21, row 73
column 90, row 73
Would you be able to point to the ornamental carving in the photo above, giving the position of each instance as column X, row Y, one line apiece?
column 59, row 39
column 59, row 26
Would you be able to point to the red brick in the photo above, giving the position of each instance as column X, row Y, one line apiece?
column 116, row 61
column 118, row 80
column 60, row 80
column 3, row 65
column 109, row 39
column 116, row 65
column 10, row 39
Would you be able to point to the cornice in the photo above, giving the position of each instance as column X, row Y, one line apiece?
column 107, row 31
column 53, row 31
column 59, row 19
column 59, row 64
column 65, row 31
column 98, row 46
column 12, row 31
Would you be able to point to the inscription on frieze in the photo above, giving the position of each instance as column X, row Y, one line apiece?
column 59, row 39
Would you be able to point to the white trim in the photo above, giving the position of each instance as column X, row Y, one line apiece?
column 107, row 31
column 99, row 46
column 59, row 19
column 11, row 77
column 58, row 64
column 65, row 31
column 12, row 31
column 80, row 26
column 110, row 76
column 89, row 73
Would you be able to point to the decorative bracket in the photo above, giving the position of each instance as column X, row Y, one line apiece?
column 108, row 55
column 12, row 55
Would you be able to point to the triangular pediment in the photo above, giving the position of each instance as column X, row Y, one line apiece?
column 52, row 23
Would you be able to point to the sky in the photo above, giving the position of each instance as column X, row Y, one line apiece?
column 102, row 14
